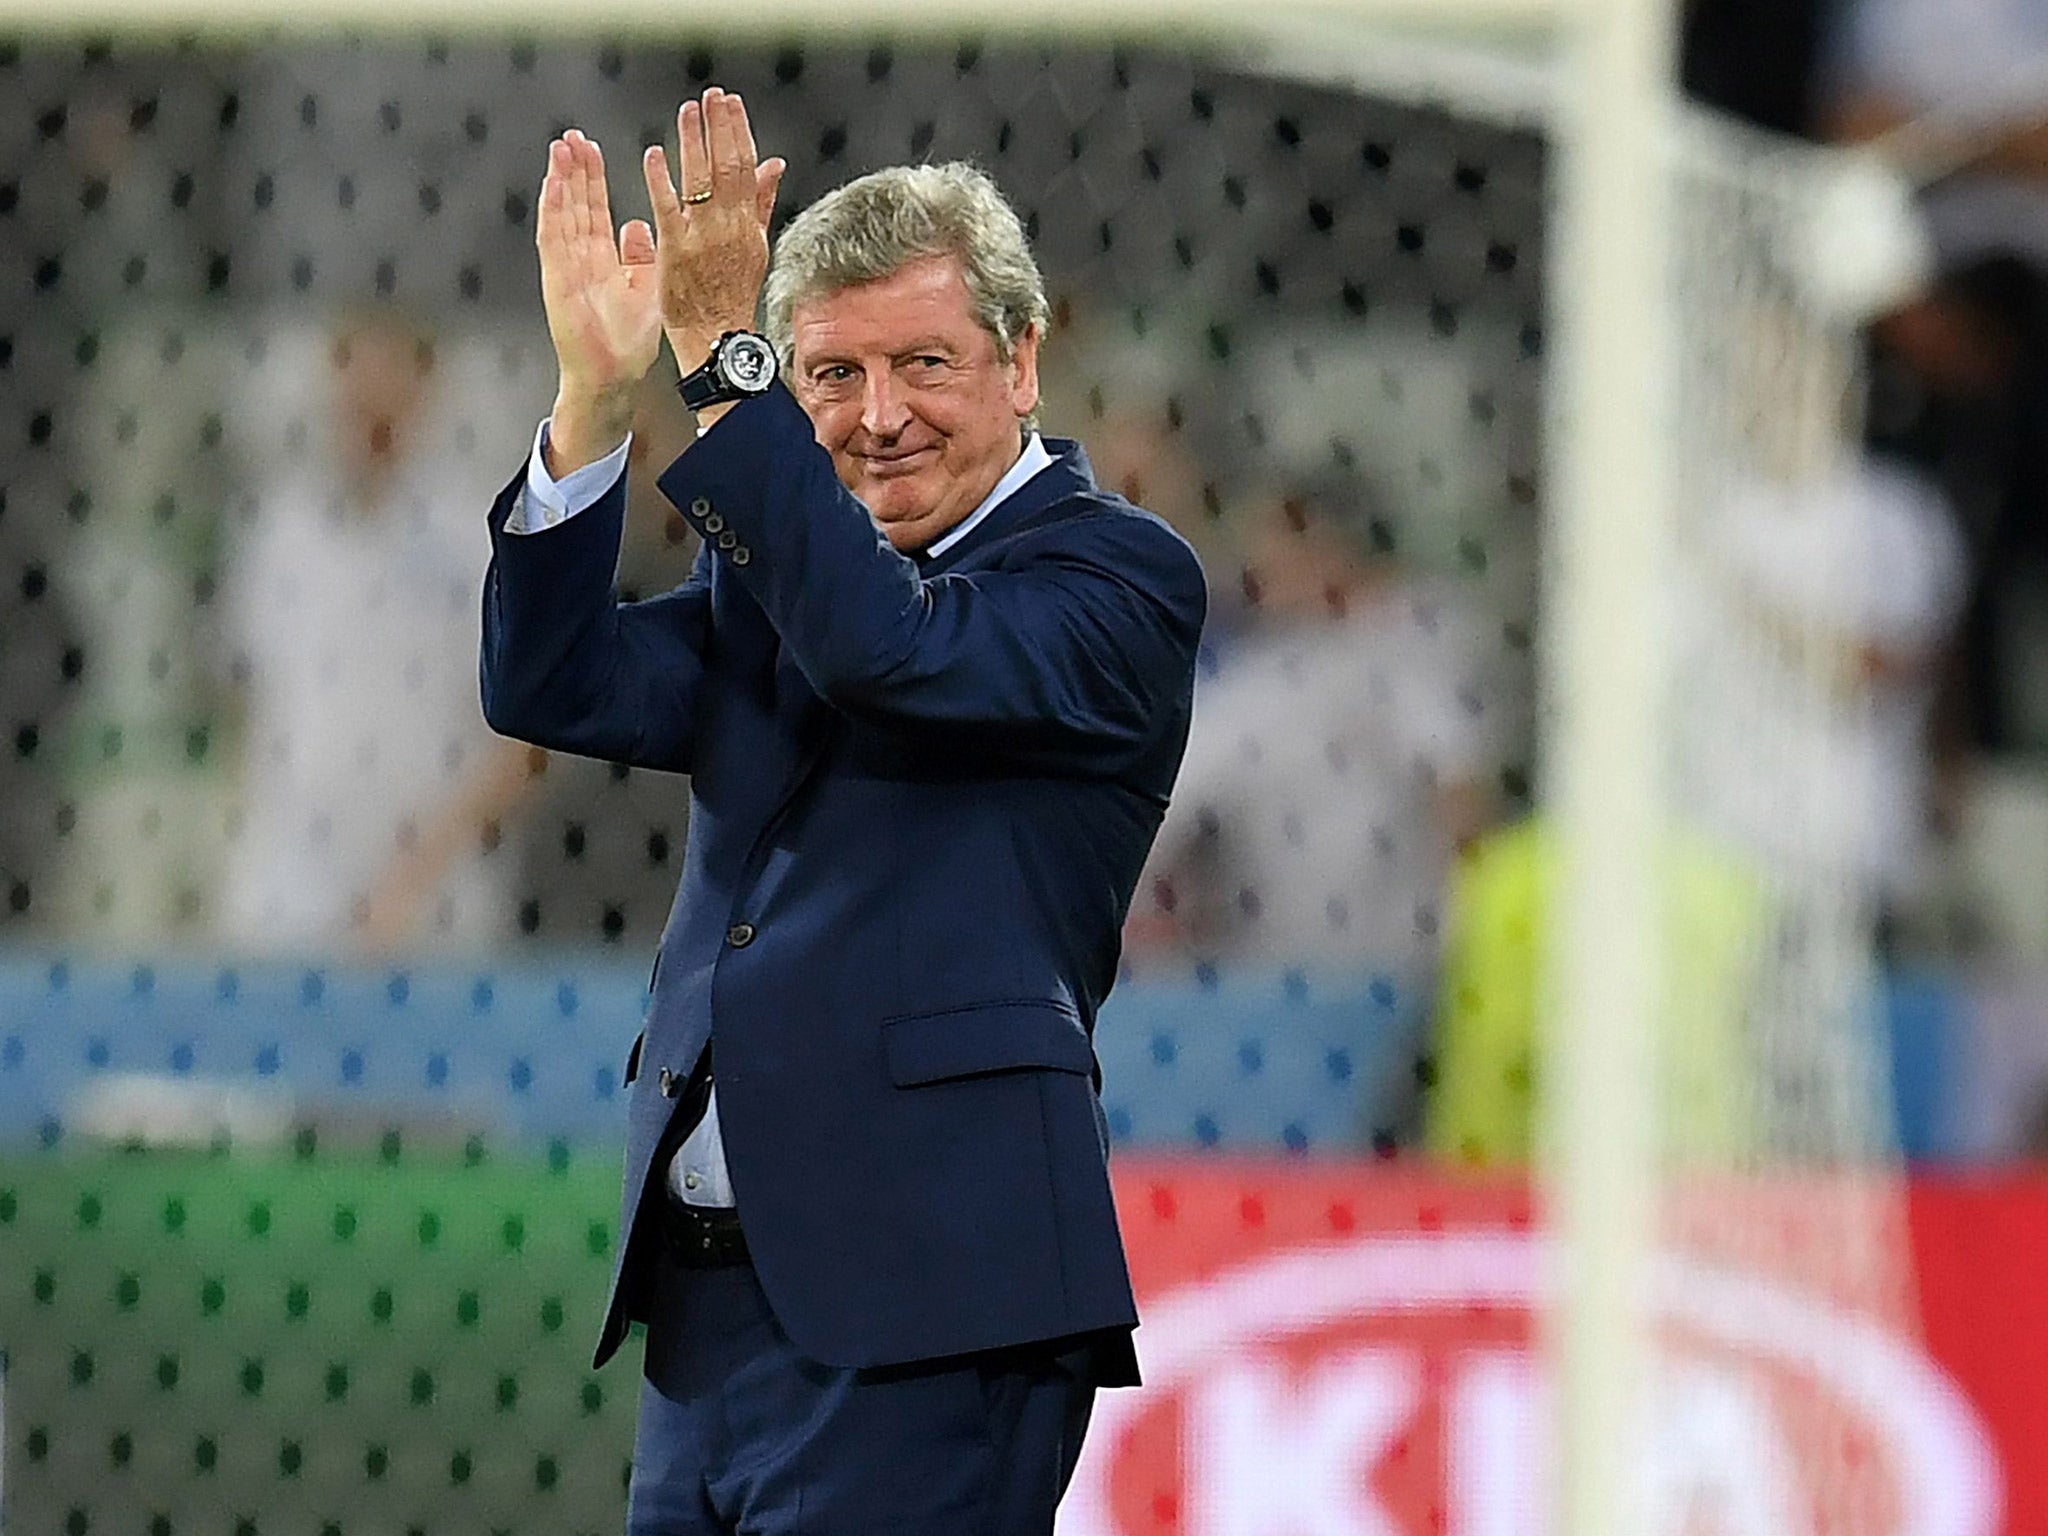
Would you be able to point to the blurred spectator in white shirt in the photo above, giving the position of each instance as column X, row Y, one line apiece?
column 1959, row 89
column 1814, row 614
column 372, row 789
column 1344, row 741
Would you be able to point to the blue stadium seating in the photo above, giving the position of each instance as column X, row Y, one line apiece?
column 1242, row 1061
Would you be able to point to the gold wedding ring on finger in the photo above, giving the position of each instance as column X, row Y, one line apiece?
column 699, row 197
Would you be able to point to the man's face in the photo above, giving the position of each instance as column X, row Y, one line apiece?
column 905, row 391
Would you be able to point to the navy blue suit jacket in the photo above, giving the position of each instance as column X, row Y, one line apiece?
column 920, row 799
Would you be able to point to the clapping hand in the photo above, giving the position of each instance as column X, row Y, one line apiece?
column 609, row 296
column 713, row 246
column 602, row 295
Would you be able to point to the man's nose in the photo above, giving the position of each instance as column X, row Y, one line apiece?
column 883, row 410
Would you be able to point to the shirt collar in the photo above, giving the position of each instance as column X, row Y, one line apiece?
column 1029, row 462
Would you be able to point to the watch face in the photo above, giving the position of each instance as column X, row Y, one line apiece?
column 747, row 362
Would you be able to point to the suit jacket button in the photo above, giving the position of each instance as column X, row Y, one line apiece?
column 740, row 935
column 699, row 506
column 666, row 1083
column 714, row 523
column 742, row 555
column 727, row 539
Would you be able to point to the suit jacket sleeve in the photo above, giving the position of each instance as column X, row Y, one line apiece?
column 1067, row 653
column 568, row 666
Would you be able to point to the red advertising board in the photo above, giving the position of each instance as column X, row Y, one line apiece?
column 1347, row 1350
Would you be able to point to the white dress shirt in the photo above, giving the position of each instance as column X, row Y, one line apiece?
column 697, row 1174
column 546, row 501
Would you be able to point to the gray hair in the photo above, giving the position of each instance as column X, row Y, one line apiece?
column 880, row 222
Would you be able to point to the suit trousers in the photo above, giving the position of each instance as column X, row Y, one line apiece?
column 741, row 1435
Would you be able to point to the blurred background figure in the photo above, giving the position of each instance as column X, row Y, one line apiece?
column 1957, row 92
column 373, row 796
column 1341, row 750
column 1343, row 745
column 1481, row 1078
column 1956, row 379
column 1815, row 595
column 1857, row 574
column 1959, row 392
column 1957, row 89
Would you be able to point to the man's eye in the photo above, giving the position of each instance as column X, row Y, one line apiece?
column 930, row 360
column 837, row 374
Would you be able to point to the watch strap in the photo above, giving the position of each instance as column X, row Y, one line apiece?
column 700, row 386
column 711, row 384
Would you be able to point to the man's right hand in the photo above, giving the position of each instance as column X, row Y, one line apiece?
column 603, row 299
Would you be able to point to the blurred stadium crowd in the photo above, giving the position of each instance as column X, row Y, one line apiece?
column 272, row 342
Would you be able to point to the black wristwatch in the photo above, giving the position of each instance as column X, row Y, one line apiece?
column 741, row 366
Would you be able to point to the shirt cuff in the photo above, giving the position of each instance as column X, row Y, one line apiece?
column 546, row 502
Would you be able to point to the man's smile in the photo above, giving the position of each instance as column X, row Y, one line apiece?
column 885, row 465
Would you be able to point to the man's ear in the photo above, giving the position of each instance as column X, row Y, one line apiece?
column 1024, row 372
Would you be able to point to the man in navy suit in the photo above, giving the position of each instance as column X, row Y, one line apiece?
column 931, row 687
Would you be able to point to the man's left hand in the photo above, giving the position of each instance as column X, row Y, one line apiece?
column 711, row 241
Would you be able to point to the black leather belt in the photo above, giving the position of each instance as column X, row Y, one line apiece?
column 703, row 1237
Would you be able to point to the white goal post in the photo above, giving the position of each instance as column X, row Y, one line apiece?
column 1611, row 64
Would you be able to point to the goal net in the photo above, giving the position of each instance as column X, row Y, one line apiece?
column 276, row 342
